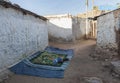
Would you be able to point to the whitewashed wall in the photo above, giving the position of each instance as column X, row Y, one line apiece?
column 79, row 28
column 106, row 36
column 65, row 22
column 20, row 35
column 59, row 33
column 61, row 28
column 68, row 28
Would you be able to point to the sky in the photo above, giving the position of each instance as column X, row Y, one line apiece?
column 49, row 7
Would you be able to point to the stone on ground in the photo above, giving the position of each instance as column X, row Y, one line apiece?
column 92, row 80
column 116, row 67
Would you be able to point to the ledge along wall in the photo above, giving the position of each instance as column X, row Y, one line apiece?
column 21, row 34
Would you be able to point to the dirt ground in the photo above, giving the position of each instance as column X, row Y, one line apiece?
column 80, row 66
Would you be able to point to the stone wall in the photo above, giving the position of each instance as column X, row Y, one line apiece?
column 20, row 36
column 108, row 35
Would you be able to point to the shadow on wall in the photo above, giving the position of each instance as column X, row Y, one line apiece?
column 59, row 34
column 78, row 28
column 75, row 32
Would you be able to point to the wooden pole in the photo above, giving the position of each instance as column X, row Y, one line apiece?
column 86, row 18
column 93, row 17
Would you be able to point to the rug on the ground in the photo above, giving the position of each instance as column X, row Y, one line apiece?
column 26, row 67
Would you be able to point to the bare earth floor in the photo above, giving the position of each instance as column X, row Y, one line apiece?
column 80, row 66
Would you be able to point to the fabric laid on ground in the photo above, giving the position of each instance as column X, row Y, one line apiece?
column 25, row 67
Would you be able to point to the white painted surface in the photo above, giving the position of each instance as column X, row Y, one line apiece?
column 106, row 36
column 67, row 28
column 59, row 32
column 20, row 35
column 63, row 22
column 79, row 28
column 61, row 28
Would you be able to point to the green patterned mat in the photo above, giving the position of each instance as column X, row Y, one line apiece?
column 47, row 58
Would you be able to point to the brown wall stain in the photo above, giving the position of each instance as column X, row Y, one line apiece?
column 116, row 13
column 117, row 29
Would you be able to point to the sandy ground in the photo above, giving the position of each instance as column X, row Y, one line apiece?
column 80, row 66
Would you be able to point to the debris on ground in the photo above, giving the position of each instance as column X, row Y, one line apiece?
column 92, row 80
column 104, row 54
column 106, row 64
column 115, row 67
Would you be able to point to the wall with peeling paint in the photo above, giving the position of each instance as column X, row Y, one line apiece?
column 20, row 35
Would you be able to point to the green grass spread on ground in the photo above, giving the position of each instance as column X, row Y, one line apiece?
column 46, row 58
